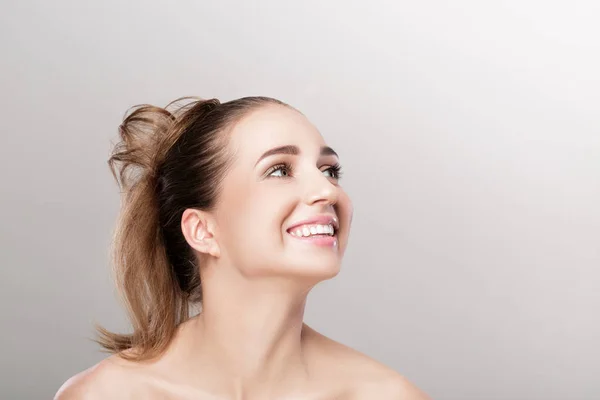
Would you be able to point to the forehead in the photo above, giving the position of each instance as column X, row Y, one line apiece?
column 272, row 126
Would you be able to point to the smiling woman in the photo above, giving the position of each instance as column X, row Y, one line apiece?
column 236, row 206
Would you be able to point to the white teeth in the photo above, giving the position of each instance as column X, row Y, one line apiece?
column 306, row 231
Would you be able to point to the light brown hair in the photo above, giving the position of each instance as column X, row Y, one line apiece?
column 167, row 160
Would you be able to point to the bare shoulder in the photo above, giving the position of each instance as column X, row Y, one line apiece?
column 107, row 379
column 367, row 378
column 389, row 386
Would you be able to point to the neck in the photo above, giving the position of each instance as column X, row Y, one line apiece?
column 250, row 334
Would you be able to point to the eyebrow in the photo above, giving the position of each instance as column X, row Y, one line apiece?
column 294, row 150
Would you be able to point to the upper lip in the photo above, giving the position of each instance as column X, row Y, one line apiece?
column 324, row 219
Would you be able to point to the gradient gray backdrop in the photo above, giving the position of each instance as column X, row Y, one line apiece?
column 469, row 132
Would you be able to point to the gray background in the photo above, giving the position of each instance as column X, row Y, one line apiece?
column 469, row 132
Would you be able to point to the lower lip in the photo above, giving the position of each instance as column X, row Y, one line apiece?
column 325, row 241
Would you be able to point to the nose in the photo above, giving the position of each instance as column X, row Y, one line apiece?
column 319, row 189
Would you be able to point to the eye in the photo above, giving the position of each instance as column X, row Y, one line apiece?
column 335, row 171
column 283, row 170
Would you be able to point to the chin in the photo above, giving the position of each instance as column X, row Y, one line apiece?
column 316, row 271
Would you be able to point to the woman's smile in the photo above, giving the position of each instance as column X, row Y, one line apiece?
column 320, row 230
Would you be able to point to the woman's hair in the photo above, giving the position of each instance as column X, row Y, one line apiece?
column 168, row 159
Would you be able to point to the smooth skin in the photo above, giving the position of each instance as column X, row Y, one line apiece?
column 249, row 341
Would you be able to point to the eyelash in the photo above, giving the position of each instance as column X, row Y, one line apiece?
column 336, row 169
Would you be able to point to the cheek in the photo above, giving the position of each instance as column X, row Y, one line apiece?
column 252, row 236
column 251, row 214
column 267, row 210
column 233, row 212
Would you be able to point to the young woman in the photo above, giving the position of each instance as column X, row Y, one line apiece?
column 236, row 207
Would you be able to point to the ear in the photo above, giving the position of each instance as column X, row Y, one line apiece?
column 198, row 228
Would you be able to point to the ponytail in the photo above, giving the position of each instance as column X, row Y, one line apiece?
column 142, row 270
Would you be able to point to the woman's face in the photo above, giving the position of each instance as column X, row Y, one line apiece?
column 282, row 183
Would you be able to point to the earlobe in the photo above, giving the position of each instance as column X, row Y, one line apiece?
column 198, row 231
